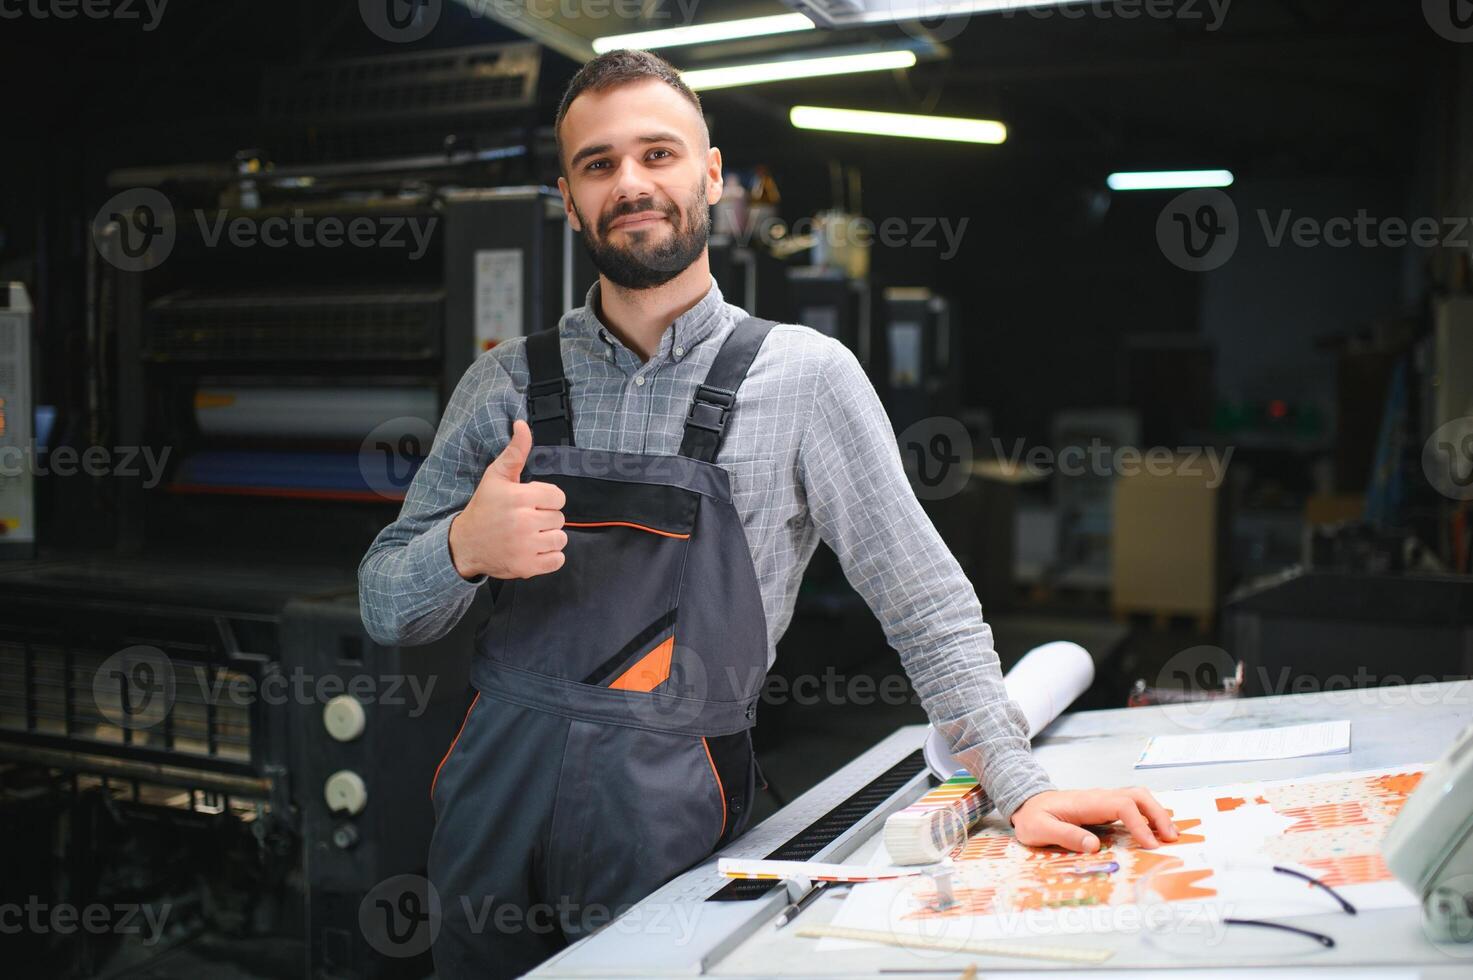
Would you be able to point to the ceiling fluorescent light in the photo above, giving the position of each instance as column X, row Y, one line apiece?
column 852, row 13
column 899, row 124
column 727, row 30
column 704, row 79
column 1169, row 180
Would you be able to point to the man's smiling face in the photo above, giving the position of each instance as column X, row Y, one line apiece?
column 641, row 179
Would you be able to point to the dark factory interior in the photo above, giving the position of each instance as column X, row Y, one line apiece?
column 1169, row 304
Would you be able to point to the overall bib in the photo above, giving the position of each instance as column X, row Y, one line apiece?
column 608, row 748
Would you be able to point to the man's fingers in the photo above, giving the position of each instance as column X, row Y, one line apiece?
column 545, row 520
column 1129, row 814
column 550, row 541
column 543, row 564
column 1048, row 829
column 1152, row 808
column 544, row 496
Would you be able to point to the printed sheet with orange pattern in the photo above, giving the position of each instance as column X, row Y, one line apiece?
column 1328, row 826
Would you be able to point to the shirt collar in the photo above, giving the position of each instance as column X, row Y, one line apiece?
column 689, row 329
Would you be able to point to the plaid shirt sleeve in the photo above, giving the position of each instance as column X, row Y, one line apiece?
column 408, row 589
column 863, row 505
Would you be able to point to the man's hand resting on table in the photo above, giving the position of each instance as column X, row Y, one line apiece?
column 1058, row 816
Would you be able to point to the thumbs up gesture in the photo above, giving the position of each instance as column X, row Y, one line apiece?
column 510, row 529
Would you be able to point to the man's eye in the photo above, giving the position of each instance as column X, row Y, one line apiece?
column 595, row 164
column 665, row 152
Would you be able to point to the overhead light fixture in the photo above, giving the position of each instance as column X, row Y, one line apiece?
column 727, row 30
column 704, row 79
column 899, row 124
column 1169, row 180
column 853, row 13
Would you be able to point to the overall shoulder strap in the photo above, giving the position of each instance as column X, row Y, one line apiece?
column 706, row 424
column 549, row 411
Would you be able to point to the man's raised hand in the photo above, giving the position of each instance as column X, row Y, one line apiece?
column 510, row 529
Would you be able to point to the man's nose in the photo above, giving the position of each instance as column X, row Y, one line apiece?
column 632, row 181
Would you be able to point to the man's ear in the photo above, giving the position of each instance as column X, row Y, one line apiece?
column 567, row 192
column 715, row 183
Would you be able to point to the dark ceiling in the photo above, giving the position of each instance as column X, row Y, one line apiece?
column 1282, row 84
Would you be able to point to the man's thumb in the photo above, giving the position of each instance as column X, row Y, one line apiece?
column 508, row 466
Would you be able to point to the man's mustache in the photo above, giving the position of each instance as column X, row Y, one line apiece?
column 609, row 219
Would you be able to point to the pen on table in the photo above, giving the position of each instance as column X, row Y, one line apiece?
column 806, row 899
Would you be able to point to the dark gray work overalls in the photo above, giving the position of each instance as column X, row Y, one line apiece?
column 609, row 746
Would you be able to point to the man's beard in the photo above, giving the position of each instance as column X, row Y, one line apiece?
column 642, row 265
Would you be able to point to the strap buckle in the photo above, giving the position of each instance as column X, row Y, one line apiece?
column 710, row 407
column 547, row 400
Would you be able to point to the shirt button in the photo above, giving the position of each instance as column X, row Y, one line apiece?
column 639, row 379
column 679, row 351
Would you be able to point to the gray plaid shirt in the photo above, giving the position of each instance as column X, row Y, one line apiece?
column 810, row 452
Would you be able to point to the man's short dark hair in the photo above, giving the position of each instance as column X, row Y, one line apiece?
column 619, row 67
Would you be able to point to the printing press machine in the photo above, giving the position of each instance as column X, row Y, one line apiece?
column 221, row 741
column 191, row 714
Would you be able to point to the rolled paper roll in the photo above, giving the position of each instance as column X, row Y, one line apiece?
column 1043, row 683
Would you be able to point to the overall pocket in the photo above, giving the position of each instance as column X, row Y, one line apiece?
column 615, row 596
column 734, row 768
column 634, row 809
column 449, row 752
